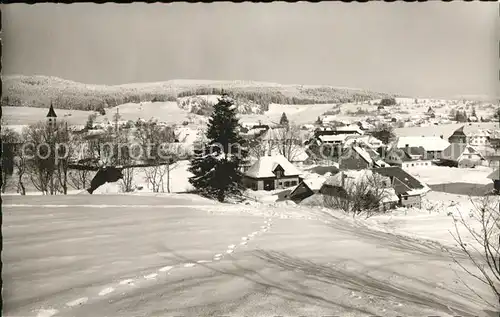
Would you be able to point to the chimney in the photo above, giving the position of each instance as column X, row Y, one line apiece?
column 343, row 179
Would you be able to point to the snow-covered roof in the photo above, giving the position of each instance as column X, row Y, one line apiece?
column 455, row 151
column 495, row 175
column 348, row 179
column 352, row 177
column 389, row 196
column 314, row 181
column 366, row 139
column 350, row 128
column 265, row 166
column 429, row 143
column 333, row 138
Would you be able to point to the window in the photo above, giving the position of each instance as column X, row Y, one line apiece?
column 294, row 183
column 254, row 186
column 406, row 197
column 279, row 174
column 287, row 184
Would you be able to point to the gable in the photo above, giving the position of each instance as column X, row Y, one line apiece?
column 278, row 168
column 402, row 181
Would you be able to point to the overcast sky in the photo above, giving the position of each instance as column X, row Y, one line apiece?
column 425, row 49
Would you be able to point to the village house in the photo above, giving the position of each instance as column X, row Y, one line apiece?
column 480, row 135
column 408, row 189
column 335, row 136
column 271, row 172
column 347, row 185
column 357, row 157
column 307, row 187
column 430, row 112
column 495, row 177
column 462, row 155
column 433, row 146
column 407, row 157
column 365, row 125
column 312, row 181
column 495, row 140
column 366, row 139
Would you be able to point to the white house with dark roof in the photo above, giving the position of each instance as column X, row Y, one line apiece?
column 433, row 146
column 462, row 155
column 271, row 172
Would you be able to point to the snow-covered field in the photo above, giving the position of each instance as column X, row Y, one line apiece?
column 299, row 114
column 145, row 255
column 28, row 115
column 168, row 112
column 432, row 175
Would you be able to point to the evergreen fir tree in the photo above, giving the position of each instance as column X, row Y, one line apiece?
column 216, row 163
column 284, row 119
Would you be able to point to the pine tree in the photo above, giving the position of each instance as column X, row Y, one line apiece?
column 215, row 165
column 284, row 119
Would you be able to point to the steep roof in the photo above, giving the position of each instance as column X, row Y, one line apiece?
column 51, row 113
column 455, row 150
column 333, row 138
column 265, row 166
column 403, row 183
column 370, row 156
column 322, row 170
column 429, row 143
column 495, row 175
column 314, row 182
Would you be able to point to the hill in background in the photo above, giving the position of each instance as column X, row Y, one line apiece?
column 251, row 97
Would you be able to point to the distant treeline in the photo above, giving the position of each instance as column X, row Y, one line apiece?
column 97, row 100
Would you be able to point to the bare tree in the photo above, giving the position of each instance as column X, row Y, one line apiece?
column 64, row 149
column 41, row 164
column 20, row 166
column 10, row 141
column 82, row 152
column 483, row 251
column 357, row 196
column 128, row 179
column 256, row 147
column 287, row 141
column 160, row 151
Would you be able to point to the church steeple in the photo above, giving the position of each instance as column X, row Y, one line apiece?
column 51, row 113
column 51, row 116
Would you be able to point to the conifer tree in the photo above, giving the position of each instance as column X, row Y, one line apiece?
column 215, row 165
column 284, row 119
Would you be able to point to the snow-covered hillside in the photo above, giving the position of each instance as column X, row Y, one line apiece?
column 39, row 91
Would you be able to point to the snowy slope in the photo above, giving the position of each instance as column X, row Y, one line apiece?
column 177, row 257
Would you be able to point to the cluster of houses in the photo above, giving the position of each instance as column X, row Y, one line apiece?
column 361, row 154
